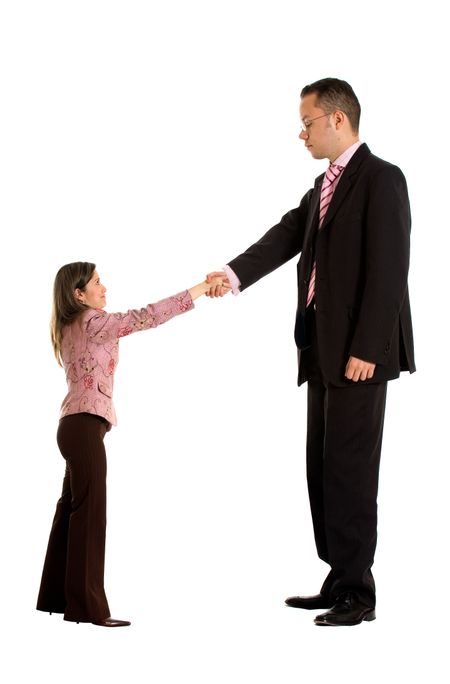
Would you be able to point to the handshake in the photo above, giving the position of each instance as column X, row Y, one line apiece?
column 215, row 285
column 218, row 284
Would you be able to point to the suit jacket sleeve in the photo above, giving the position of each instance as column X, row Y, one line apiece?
column 102, row 326
column 278, row 245
column 385, row 269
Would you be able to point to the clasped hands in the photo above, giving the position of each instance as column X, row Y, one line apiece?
column 220, row 285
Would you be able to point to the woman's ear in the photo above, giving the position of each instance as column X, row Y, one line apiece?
column 79, row 295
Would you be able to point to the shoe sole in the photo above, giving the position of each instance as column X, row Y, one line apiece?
column 368, row 617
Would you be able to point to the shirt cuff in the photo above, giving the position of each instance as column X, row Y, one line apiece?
column 234, row 280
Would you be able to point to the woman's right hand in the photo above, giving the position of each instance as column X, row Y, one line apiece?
column 217, row 286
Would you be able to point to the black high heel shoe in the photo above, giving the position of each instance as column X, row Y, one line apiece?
column 112, row 622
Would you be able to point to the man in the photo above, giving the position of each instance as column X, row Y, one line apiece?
column 353, row 332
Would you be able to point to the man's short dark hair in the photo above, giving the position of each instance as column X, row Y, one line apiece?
column 332, row 94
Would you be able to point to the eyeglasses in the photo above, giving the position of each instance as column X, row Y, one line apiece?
column 304, row 125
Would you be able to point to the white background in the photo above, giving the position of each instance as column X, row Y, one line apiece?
column 159, row 140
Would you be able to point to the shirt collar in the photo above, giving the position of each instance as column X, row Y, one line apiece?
column 345, row 157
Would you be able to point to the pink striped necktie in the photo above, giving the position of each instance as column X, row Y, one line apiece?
column 329, row 183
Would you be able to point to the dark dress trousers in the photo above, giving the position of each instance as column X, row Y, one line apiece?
column 73, row 574
column 361, row 309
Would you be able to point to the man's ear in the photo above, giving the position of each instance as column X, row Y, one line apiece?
column 339, row 118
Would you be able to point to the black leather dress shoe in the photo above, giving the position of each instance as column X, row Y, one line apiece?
column 347, row 611
column 111, row 622
column 317, row 602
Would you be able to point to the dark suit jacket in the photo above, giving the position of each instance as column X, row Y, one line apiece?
column 362, row 261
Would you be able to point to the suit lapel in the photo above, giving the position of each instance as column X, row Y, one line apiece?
column 345, row 182
column 313, row 216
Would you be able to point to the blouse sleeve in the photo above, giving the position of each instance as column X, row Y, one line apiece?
column 102, row 326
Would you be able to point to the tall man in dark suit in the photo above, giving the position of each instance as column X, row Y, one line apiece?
column 353, row 332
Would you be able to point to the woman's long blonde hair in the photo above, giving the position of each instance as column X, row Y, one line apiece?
column 65, row 306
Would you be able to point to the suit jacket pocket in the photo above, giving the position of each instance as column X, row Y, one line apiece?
column 346, row 219
column 350, row 216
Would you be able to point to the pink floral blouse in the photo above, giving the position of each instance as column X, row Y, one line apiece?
column 90, row 352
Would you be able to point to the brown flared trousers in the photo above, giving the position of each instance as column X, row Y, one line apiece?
column 72, row 578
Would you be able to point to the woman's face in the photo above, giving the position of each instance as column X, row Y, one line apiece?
column 94, row 293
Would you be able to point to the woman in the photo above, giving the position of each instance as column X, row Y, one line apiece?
column 86, row 343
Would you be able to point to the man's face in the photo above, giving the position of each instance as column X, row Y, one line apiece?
column 320, row 134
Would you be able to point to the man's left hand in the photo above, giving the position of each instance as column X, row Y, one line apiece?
column 357, row 369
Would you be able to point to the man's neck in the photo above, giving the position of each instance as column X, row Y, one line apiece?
column 343, row 148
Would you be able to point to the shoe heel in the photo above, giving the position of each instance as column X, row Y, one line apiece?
column 370, row 616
